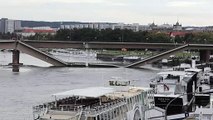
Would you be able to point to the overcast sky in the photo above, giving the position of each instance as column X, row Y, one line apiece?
column 188, row 12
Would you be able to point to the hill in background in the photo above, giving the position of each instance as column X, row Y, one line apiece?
column 43, row 23
column 50, row 24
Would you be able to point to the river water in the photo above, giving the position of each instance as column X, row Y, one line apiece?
column 35, row 83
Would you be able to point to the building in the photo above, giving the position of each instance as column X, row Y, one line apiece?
column 26, row 32
column 143, row 28
column 102, row 26
column 177, row 27
column 153, row 26
column 118, row 26
column 208, row 29
column 3, row 25
column 134, row 27
column 165, row 26
column 17, row 25
column 9, row 26
column 98, row 26
column 177, row 33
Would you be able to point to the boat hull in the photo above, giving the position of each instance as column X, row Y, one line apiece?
column 176, row 107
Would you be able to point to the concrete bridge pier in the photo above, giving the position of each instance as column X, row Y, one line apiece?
column 15, row 61
column 205, row 56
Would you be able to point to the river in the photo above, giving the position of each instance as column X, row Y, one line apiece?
column 35, row 83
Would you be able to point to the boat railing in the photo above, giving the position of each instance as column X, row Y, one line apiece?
column 89, row 110
column 68, row 107
column 42, row 109
column 104, row 107
column 39, row 110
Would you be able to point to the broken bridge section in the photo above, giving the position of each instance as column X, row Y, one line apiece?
column 25, row 48
column 158, row 56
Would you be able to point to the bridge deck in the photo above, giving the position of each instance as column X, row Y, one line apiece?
column 30, row 47
column 100, row 45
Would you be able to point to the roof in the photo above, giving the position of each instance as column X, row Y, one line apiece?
column 126, row 92
column 178, row 33
column 38, row 30
column 175, row 73
column 87, row 92
column 193, row 70
column 169, row 95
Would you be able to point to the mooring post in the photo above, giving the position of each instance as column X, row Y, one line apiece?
column 15, row 61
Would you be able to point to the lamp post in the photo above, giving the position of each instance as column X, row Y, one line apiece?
column 205, row 41
column 70, row 34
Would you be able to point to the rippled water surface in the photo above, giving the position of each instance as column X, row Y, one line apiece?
column 34, row 85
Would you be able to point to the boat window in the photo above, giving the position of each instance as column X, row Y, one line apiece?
column 102, row 117
column 157, row 79
column 127, row 101
column 212, row 104
column 136, row 98
column 117, row 112
column 169, row 76
column 133, row 99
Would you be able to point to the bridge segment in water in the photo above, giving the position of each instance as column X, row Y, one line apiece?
column 18, row 46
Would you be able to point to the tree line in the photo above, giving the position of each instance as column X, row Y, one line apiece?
column 118, row 35
column 109, row 35
column 8, row 36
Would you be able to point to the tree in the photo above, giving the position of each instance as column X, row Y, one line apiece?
column 178, row 39
column 188, row 38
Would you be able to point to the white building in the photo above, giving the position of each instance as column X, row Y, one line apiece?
column 104, row 26
column 86, row 25
column 98, row 26
column 118, row 26
column 91, row 26
column 144, row 28
column 8, row 25
column 3, row 25
column 177, row 26
column 134, row 27
column 165, row 26
column 17, row 25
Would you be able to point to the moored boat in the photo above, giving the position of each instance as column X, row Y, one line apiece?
column 117, row 102
column 174, row 89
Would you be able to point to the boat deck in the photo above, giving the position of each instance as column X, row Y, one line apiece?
column 59, row 115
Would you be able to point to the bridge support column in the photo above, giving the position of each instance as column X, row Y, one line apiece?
column 205, row 55
column 15, row 62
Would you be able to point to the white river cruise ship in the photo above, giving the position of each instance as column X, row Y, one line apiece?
column 119, row 101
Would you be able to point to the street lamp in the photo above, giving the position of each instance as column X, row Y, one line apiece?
column 205, row 41
column 70, row 34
